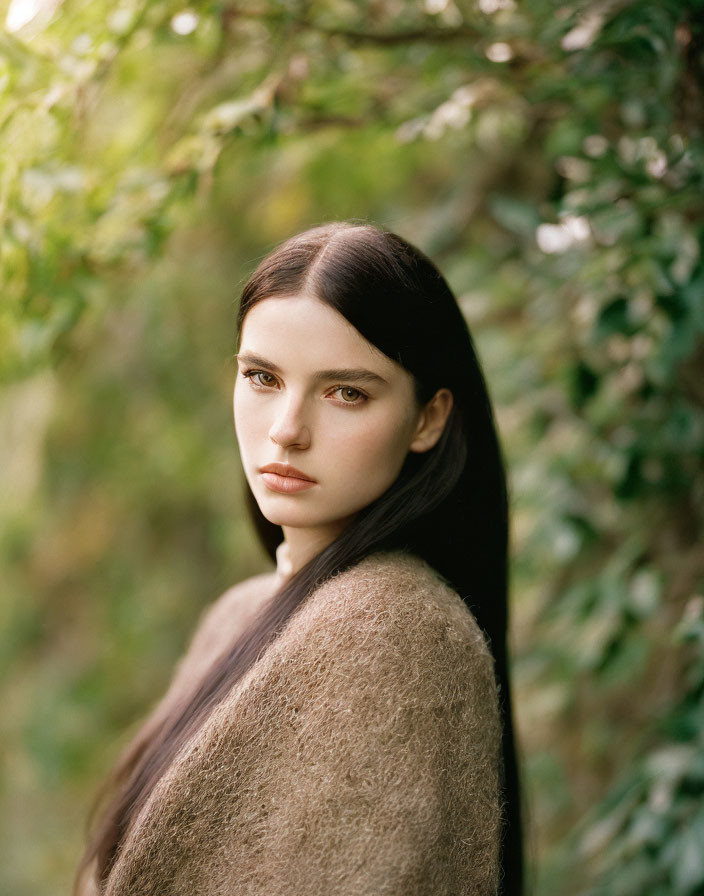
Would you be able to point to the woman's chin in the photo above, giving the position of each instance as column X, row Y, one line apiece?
column 284, row 516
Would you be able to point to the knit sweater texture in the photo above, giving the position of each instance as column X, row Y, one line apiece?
column 359, row 755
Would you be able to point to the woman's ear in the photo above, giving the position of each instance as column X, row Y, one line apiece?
column 432, row 421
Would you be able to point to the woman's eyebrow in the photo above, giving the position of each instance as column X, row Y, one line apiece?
column 341, row 373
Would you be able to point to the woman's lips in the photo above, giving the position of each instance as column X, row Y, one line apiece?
column 285, row 484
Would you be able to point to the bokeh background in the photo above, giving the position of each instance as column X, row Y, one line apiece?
column 548, row 156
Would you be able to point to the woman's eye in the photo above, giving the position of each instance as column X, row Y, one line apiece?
column 357, row 396
column 251, row 374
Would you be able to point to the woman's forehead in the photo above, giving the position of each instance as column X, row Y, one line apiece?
column 306, row 332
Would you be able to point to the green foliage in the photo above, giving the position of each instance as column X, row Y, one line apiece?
column 550, row 156
column 648, row 833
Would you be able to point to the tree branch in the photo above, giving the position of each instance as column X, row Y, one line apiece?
column 430, row 34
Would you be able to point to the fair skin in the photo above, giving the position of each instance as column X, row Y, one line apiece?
column 351, row 434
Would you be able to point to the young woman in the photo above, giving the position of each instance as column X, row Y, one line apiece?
column 342, row 724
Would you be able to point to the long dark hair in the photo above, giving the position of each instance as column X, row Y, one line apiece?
column 448, row 505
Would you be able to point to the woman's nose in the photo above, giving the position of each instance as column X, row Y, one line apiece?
column 289, row 429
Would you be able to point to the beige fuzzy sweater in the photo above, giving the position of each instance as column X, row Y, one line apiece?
column 358, row 756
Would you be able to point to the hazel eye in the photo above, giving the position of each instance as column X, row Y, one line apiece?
column 251, row 374
column 358, row 397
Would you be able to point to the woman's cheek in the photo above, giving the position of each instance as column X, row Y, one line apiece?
column 380, row 450
column 249, row 418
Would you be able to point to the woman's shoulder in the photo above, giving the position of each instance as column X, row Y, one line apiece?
column 235, row 605
column 392, row 624
column 399, row 592
column 219, row 624
column 237, row 601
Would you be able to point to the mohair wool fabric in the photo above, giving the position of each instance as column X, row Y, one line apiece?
column 358, row 756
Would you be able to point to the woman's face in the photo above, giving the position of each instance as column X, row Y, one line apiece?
column 349, row 432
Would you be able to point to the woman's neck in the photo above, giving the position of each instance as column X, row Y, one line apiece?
column 302, row 544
